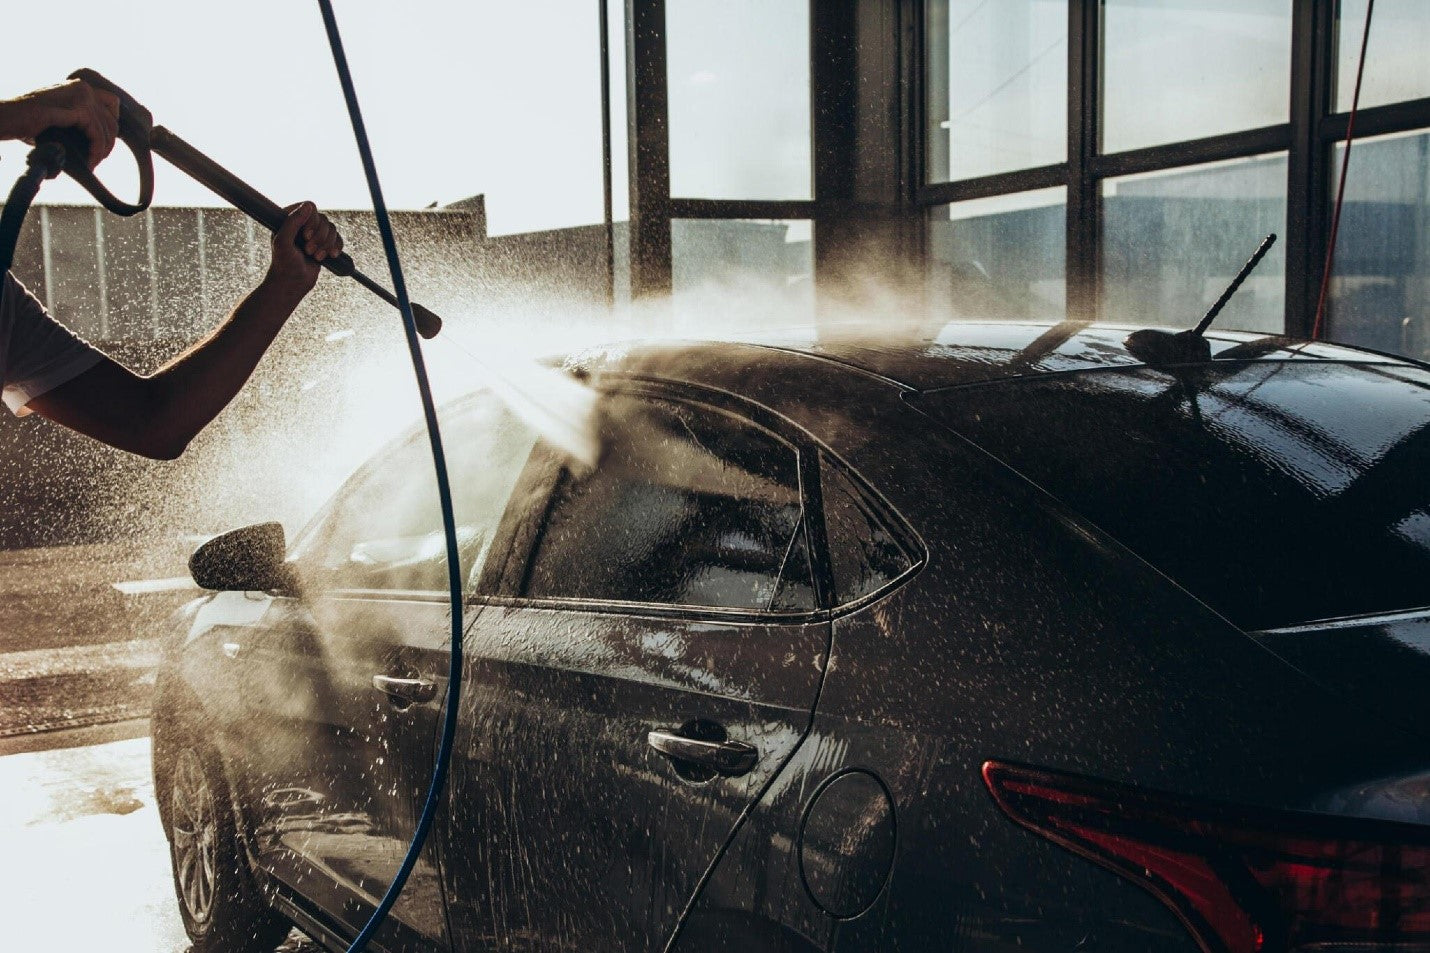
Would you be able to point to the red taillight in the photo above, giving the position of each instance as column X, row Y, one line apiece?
column 1243, row 880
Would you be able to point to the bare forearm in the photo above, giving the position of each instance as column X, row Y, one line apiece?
column 158, row 415
column 189, row 391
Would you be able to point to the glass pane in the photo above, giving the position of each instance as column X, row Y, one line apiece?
column 997, row 79
column 1396, row 67
column 386, row 530
column 1002, row 257
column 1172, row 241
column 688, row 507
column 1185, row 69
column 734, row 274
column 1381, row 285
column 739, row 98
column 863, row 554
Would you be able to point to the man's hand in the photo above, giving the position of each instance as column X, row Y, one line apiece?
column 73, row 104
column 306, row 239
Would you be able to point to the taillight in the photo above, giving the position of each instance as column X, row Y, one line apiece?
column 1243, row 880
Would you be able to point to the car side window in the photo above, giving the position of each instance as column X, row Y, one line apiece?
column 864, row 554
column 385, row 531
column 688, row 506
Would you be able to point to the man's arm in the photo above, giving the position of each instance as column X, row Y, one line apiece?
column 158, row 415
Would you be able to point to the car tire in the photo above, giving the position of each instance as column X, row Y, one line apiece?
column 221, row 906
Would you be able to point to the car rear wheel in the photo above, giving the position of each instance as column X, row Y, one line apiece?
column 222, row 910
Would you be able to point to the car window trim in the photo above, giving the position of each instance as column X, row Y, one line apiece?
column 811, row 517
column 386, row 595
column 663, row 610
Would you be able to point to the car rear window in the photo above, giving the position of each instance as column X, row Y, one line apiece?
column 1276, row 492
column 864, row 553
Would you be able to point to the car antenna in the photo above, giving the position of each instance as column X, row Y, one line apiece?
column 1156, row 346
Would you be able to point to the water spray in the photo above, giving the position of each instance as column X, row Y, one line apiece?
column 67, row 150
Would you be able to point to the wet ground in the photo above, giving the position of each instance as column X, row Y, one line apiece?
column 86, row 865
column 77, row 633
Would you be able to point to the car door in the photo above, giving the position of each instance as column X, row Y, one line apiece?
column 645, row 665
column 348, row 679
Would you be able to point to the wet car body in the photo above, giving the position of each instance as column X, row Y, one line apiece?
column 939, row 603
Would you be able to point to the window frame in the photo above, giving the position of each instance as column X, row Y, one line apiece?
column 1309, row 135
column 513, row 547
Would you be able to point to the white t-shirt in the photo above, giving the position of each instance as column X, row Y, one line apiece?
column 37, row 353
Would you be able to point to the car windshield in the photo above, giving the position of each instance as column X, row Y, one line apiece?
column 1276, row 492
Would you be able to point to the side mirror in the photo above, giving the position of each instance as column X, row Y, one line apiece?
column 243, row 560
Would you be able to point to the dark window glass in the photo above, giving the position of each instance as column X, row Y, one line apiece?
column 864, row 555
column 796, row 589
column 386, row 530
column 688, row 506
column 1278, row 492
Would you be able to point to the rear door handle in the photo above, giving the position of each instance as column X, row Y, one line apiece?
column 731, row 758
column 406, row 690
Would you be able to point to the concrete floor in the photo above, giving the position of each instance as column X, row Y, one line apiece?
column 86, row 866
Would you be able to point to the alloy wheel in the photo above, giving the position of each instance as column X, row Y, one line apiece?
column 195, row 830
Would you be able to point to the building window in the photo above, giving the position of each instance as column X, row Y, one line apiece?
column 997, row 86
column 1396, row 68
column 739, row 274
column 1173, row 240
column 999, row 258
column 738, row 74
column 1186, row 69
column 1380, row 292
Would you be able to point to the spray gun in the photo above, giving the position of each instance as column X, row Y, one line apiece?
column 66, row 150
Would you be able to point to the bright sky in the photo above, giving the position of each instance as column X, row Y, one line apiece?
column 459, row 98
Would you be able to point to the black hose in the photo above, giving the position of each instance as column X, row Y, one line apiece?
column 444, row 491
column 45, row 161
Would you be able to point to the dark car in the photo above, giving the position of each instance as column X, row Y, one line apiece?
column 999, row 639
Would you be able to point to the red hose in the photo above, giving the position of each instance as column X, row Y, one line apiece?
column 1341, row 189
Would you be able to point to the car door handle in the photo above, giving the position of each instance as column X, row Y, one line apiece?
column 407, row 690
column 730, row 758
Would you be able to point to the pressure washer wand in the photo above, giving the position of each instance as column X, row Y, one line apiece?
column 267, row 213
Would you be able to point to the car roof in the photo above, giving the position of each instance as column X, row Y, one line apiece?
column 949, row 355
